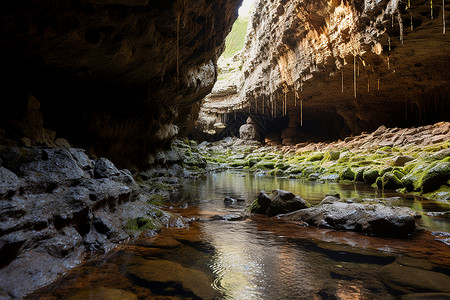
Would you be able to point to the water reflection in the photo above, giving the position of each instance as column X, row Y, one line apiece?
column 257, row 258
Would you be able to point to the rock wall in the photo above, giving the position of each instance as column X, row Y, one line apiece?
column 302, row 60
column 120, row 76
column 58, row 203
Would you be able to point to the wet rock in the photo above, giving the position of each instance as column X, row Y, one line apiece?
column 104, row 168
column 9, row 183
column 164, row 272
column 390, row 181
column 441, row 154
column 402, row 160
column 434, row 177
column 163, row 242
column 370, row 175
column 278, row 202
column 49, row 169
column 103, row 293
column 330, row 200
column 440, row 214
column 234, row 217
column 347, row 174
column 376, row 219
column 405, row 279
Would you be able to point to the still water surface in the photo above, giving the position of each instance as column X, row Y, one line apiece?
column 258, row 257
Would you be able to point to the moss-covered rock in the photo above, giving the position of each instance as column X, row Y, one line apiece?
column 347, row 174
column 433, row 177
column 359, row 174
column 315, row 156
column 331, row 155
column 370, row 175
column 378, row 183
column 265, row 165
column 390, row 181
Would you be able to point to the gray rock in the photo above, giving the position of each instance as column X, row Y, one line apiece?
column 104, row 168
column 55, row 167
column 82, row 159
column 441, row 154
column 249, row 132
column 376, row 219
column 9, row 183
column 279, row 202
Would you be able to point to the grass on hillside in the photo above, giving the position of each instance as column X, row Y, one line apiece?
column 236, row 38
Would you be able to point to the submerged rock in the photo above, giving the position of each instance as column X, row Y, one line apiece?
column 103, row 293
column 191, row 281
column 406, row 279
column 279, row 202
column 376, row 219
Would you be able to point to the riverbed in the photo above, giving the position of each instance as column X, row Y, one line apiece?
column 224, row 254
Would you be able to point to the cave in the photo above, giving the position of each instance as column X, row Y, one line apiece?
column 240, row 143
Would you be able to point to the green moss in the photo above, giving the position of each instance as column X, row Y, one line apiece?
column 370, row 175
column 265, row 165
column 390, row 181
column 433, row 177
column 346, row 174
column 379, row 183
column 276, row 172
column 441, row 194
column 237, row 163
column 156, row 199
column 359, row 174
column 331, row 156
column 398, row 174
column 315, row 156
column 385, row 170
column 140, row 224
column 385, row 149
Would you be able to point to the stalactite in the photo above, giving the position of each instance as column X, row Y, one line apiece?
column 358, row 70
column 400, row 25
column 368, row 85
column 301, row 112
column 412, row 28
column 443, row 16
column 179, row 8
column 295, row 94
column 388, row 63
column 431, row 9
column 389, row 42
column 342, row 81
column 354, row 74
column 409, row 4
column 263, row 104
column 378, row 81
column 301, row 84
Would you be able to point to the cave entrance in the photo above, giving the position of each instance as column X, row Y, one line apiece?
column 223, row 111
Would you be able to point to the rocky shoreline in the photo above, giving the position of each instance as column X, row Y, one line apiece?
column 58, row 204
column 410, row 160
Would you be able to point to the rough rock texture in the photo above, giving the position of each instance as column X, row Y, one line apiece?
column 121, row 76
column 377, row 219
column 53, row 209
column 279, row 202
column 300, row 58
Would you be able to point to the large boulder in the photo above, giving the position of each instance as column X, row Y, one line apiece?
column 279, row 202
column 249, row 132
column 376, row 219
